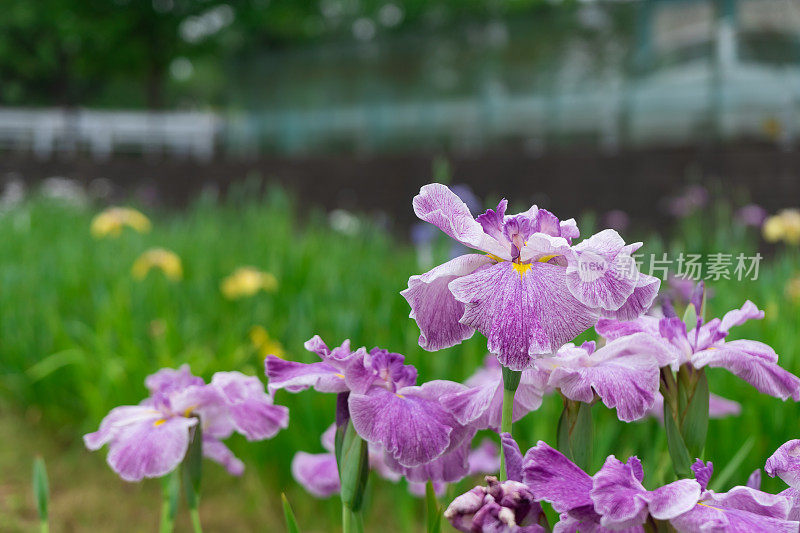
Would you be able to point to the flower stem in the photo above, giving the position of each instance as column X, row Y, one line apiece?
column 351, row 522
column 170, row 490
column 510, row 383
column 195, row 515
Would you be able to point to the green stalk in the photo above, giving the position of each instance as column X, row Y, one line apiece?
column 195, row 515
column 170, row 489
column 510, row 383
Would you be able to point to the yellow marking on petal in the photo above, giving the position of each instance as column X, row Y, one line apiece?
column 188, row 412
column 399, row 395
column 521, row 268
column 546, row 258
column 495, row 258
column 710, row 506
column 339, row 375
column 159, row 422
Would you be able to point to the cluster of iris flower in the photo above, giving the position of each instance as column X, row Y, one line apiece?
column 530, row 288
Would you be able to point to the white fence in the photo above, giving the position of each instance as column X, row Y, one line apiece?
column 47, row 131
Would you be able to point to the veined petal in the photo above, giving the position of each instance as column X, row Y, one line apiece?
column 554, row 478
column 523, row 310
column 624, row 373
column 295, row 377
column 150, row 449
column 618, row 495
column 600, row 273
column 737, row 317
column 434, row 308
column 614, row 329
column 639, row 302
column 513, row 457
column 785, row 463
column 541, row 245
column 673, row 499
column 412, row 429
column 440, row 206
column 753, row 366
column 317, row 473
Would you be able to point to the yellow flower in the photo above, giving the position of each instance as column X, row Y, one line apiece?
column 112, row 220
column 264, row 344
column 793, row 289
column 246, row 281
column 168, row 262
column 783, row 226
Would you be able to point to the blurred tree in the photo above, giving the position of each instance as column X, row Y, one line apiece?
column 76, row 52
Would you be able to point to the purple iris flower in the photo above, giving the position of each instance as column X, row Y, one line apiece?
column 386, row 406
column 705, row 345
column 319, row 475
column 624, row 375
column 151, row 439
column 614, row 499
column 529, row 291
column 742, row 508
column 785, row 463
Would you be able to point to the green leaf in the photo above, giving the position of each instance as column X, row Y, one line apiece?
column 733, row 465
column 353, row 468
column 288, row 514
column 193, row 467
column 171, row 488
column 681, row 462
column 690, row 317
column 434, row 512
column 41, row 488
column 694, row 427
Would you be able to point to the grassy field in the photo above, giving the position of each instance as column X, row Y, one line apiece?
column 78, row 334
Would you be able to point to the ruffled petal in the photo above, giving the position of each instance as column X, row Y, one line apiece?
column 618, row 495
column 251, row 409
column 600, row 273
column 752, row 362
column 644, row 294
column 785, row 463
column 412, row 429
column 673, row 499
column 434, row 308
column 295, row 377
column 440, row 206
column 523, row 310
column 554, row 478
column 624, row 374
column 737, row 317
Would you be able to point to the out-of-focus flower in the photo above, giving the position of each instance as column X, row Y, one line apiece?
column 616, row 219
column 165, row 260
column 529, row 291
column 246, row 281
column 690, row 200
column 264, row 344
column 718, row 407
column 792, row 289
column 751, row 215
column 705, row 345
column 784, row 226
column 111, row 221
column 151, row 439
column 344, row 221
